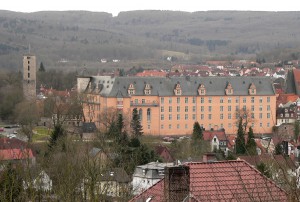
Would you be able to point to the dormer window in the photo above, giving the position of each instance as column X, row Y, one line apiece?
column 229, row 89
column 177, row 90
column 201, row 90
column 147, row 89
column 252, row 89
column 131, row 89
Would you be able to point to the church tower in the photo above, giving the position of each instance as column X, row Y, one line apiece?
column 29, row 76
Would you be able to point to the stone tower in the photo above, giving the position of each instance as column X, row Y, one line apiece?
column 29, row 76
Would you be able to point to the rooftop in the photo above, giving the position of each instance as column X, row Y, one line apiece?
column 221, row 181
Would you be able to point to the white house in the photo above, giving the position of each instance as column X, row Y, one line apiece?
column 41, row 182
column 147, row 175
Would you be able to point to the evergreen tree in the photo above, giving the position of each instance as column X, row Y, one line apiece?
column 251, row 144
column 120, row 123
column 55, row 135
column 42, row 68
column 240, row 147
column 296, row 130
column 136, row 127
column 197, row 132
column 113, row 131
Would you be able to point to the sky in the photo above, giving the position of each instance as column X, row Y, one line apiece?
column 116, row 6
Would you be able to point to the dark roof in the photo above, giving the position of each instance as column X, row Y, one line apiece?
column 222, row 181
column 89, row 127
column 12, row 143
column 94, row 151
column 117, row 175
column 113, row 86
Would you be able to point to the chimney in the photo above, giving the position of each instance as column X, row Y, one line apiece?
column 209, row 157
column 177, row 183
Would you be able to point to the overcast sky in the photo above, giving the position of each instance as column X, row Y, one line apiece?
column 116, row 6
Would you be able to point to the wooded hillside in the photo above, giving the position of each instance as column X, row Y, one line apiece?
column 83, row 38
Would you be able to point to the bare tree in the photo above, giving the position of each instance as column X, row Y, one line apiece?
column 27, row 116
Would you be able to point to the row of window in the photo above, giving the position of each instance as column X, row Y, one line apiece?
column 222, row 100
column 210, row 116
column 230, row 125
column 229, row 108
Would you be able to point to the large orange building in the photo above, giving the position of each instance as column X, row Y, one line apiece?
column 170, row 106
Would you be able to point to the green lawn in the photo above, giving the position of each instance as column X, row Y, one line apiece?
column 41, row 133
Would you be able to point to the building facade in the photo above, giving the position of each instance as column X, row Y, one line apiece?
column 170, row 106
column 29, row 77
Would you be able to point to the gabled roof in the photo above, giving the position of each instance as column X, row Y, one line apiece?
column 208, row 135
column 222, row 181
column 16, row 154
column 116, row 174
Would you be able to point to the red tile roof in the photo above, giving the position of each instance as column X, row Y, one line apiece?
column 208, row 135
column 285, row 98
column 222, row 181
column 16, row 154
column 152, row 73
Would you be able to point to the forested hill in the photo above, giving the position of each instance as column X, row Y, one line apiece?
column 81, row 37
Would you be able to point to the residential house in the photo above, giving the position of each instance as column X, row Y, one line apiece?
column 23, row 156
column 41, row 182
column 164, row 153
column 286, row 114
column 213, row 181
column 100, row 157
column 147, row 175
column 88, row 131
column 115, row 183
column 217, row 139
column 15, row 151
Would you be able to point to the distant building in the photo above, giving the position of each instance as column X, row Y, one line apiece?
column 170, row 106
column 29, row 76
column 164, row 153
column 147, row 175
column 217, row 140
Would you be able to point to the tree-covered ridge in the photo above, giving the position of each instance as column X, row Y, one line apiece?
column 81, row 37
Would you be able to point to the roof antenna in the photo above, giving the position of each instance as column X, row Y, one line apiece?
column 29, row 48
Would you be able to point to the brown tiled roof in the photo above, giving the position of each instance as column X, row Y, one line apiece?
column 222, row 181
column 208, row 135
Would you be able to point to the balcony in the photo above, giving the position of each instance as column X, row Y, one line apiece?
column 145, row 104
